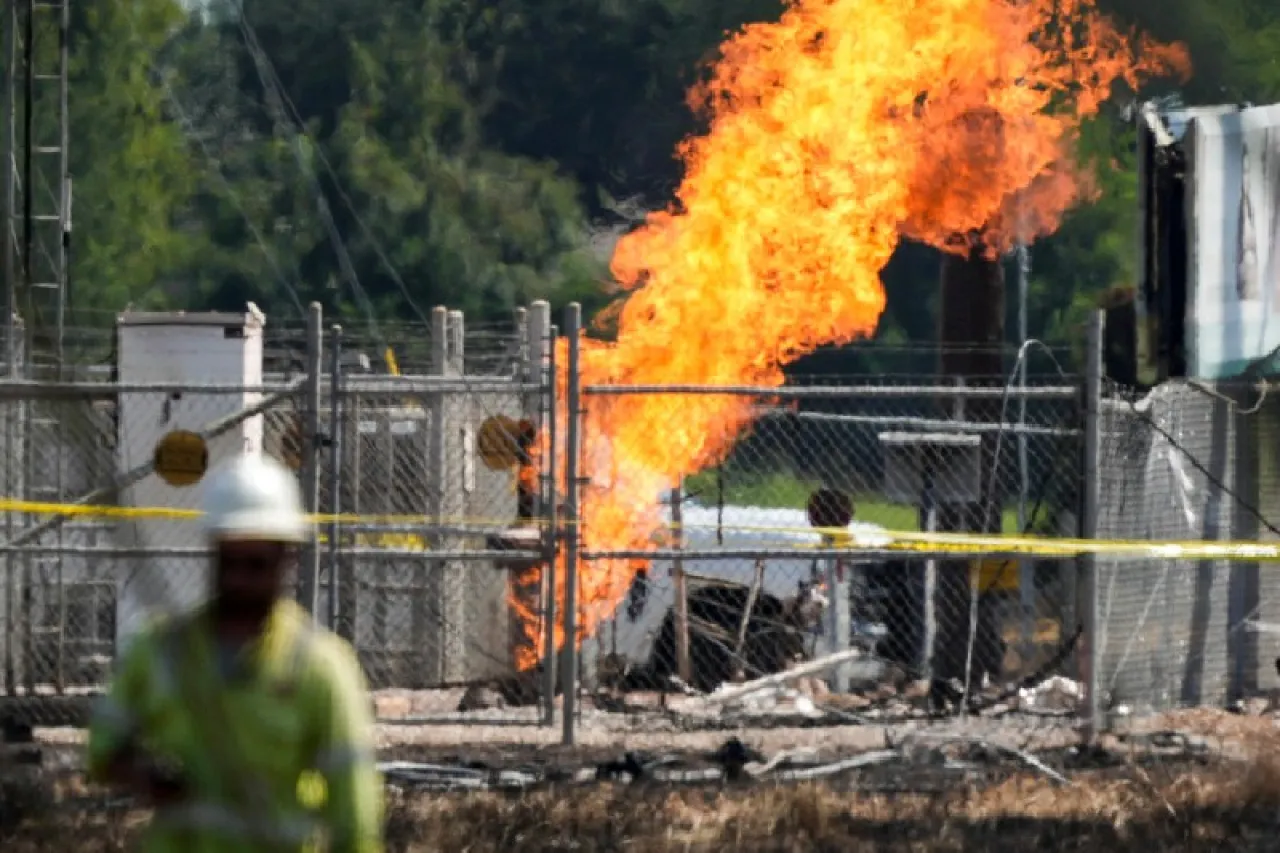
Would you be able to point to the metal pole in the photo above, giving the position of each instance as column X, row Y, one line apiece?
column 1087, row 590
column 551, row 532
column 28, row 170
column 432, row 639
column 569, row 665
column 32, row 321
column 1026, row 568
column 63, row 189
column 684, row 666
column 11, row 195
column 838, row 616
column 335, row 478
column 309, row 570
column 60, row 318
column 929, row 590
column 10, row 334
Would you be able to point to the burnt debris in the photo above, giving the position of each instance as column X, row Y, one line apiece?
column 776, row 635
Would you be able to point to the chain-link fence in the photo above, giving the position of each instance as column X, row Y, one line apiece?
column 83, row 568
column 429, row 504
column 741, row 584
column 714, row 536
column 438, row 520
column 1187, row 461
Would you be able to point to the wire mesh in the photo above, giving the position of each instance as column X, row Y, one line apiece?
column 441, row 513
column 1187, row 461
column 738, row 575
column 77, row 585
column 424, row 564
column 434, row 567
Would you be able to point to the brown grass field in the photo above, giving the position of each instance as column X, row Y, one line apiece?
column 1193, row 811
column 1226, row 799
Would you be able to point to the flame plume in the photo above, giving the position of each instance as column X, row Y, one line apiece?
column 834, row 132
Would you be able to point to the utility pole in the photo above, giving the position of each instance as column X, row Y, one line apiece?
column 1026, row 568
column 970, row 339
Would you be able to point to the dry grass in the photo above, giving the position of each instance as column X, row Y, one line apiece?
column 1223, row 807
column 1169, row 803
column 1217, row 811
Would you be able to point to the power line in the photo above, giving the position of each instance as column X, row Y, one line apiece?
column 266, row 65
column 188, row 130
column 187, row 126
column 275, row 96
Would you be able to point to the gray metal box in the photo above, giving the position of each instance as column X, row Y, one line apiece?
column 955, row 458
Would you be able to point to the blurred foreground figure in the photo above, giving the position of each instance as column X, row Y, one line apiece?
column 247, row 726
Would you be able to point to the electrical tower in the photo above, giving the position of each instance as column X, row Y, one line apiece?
column 36, row 244
column 38, row 186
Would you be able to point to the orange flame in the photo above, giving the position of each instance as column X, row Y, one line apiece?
column 834, row 132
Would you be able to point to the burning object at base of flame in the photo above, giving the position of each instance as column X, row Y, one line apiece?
column 1055, row 693
column 777, row 632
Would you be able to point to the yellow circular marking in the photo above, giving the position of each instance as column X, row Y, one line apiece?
column 497, row 442
column 181, row 458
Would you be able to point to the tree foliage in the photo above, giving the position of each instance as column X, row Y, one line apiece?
column 384, row 158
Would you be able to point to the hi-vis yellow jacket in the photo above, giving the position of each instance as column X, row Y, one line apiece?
column 278, row 758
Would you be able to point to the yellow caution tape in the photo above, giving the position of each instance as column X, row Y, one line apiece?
column 391, row 541
column 176, row 514
column 976, row 544
column 905, row 541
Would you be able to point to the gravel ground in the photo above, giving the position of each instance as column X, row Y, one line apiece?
column 686, row 726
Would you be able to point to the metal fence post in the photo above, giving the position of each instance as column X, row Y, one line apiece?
column 569, row 665
column 552, row 532
column 309, row 569
column 929, row 576
column 542, row 371
column 684, row 665
column 335, row 478
column 1087, row 590
column 11, row 327
column 431, row 612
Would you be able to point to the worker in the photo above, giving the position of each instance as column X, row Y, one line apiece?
column 244, row 724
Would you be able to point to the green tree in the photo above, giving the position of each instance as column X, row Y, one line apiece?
column 354, row 155
column 131, row 166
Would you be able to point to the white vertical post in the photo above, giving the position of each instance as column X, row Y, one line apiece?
column 838, row 616
column 309, row 576
column 1087, row 590
column 684, row 665
column 929, row 524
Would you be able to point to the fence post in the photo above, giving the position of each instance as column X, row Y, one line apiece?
column 309, row 569
column 552, row 520
column 572, row 454
column 335, row 478
column 434, row 606
column 1087, row 591
column 542, row 370
column 684, row 666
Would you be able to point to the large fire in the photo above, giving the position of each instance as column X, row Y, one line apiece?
column 834, row 132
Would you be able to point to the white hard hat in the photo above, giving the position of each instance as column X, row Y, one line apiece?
column 254, row 497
